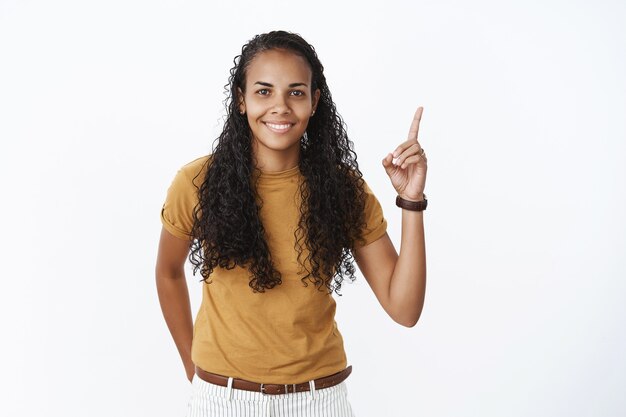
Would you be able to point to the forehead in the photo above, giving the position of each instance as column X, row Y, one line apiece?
column 278, row 66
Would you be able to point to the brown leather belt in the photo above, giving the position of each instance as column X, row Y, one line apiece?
column 325, row 382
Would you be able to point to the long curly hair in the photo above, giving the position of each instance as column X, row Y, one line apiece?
column 227, row 228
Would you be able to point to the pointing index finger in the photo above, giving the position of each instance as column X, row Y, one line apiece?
column 415, row 125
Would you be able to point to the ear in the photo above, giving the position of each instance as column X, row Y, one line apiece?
column 316, row 98
column 241, row 103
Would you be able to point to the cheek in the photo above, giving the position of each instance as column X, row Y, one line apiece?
column 256, row 108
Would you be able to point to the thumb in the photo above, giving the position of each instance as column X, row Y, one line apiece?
column 388, row 163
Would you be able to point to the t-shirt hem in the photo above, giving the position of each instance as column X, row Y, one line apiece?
column 303, row 377
column 179, row 233
column 373, row 235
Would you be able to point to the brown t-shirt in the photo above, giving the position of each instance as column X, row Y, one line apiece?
column 285, row 335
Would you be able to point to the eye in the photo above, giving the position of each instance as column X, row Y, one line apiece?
column 263, row 91
column 297, row 93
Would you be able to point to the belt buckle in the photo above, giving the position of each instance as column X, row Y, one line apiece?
column 286, row 389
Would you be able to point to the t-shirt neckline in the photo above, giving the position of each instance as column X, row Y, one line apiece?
column 279, row 174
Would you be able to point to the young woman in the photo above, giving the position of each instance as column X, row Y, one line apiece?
column 274, row 219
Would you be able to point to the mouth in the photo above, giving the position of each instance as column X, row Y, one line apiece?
column 278, row 127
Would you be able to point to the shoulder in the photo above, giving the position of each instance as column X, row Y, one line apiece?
column 195, row 170
column 182, row 197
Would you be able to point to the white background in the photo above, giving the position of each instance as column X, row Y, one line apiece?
column 524, row 107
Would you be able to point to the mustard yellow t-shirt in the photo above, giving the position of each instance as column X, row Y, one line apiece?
column 287, row 334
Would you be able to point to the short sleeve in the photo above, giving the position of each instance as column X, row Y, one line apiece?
column 177, row 211
column 376, row 224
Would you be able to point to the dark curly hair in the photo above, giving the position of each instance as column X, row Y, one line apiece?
column 227, row 228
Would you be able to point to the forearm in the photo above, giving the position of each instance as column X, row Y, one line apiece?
column 176, row 308
column 408, row 282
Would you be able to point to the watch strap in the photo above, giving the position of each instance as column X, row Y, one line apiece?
column 412, row 205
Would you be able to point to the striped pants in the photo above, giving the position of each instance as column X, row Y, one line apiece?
column 210, row 400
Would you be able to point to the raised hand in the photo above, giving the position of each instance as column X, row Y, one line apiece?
column 406, row 165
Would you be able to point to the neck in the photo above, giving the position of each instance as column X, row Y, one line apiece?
column 268, row 160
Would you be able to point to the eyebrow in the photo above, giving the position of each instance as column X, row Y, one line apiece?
column 290, row 85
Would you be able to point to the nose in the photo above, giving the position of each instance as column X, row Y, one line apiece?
column 280, row 106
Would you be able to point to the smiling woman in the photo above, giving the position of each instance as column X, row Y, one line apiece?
column 278, row 102
column 281, row 204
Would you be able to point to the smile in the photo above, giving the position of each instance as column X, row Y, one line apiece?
column 278, row 128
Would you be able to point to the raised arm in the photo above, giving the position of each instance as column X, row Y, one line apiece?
column 399, row 282
column 174, row 295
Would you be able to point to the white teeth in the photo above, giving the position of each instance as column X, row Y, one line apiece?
column 278, row 127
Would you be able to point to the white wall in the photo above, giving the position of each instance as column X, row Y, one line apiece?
column 524, row 105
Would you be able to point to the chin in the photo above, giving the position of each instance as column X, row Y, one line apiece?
column 279, row 142
column 277, row 145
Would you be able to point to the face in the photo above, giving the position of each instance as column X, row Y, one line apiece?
column 278, row 102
